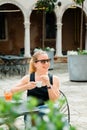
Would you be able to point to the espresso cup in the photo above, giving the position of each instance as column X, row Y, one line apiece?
column 39, row 84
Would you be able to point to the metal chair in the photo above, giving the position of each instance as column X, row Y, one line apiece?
column 2, row 66
column 64, row 108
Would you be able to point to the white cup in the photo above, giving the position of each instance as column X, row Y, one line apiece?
column 39, row 84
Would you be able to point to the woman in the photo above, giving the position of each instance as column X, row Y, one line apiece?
column 38, row 71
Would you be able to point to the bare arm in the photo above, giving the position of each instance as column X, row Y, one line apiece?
column 54, row 90
column 23, row 85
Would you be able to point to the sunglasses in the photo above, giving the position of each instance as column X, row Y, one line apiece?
column 43, row 61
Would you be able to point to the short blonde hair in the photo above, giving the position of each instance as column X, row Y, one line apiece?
column 33, row 59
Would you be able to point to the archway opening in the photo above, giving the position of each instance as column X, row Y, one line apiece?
column 71, row 30
column 43, row 29
column 11, row 29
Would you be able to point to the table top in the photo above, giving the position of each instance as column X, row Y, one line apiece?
column 11, row 57
column 21, row 107
column 14, row 109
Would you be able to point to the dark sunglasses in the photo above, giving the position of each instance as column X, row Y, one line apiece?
column 43, row 61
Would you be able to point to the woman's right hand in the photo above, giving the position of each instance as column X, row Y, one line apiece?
column 31, row 85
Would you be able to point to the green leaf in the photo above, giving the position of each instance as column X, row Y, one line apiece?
column 79, row 1
column 46, row 5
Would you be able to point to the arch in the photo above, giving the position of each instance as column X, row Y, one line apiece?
column 68, row 6
column 23, row 10
column 72, row 33
column 12, row 33
column 30, row 9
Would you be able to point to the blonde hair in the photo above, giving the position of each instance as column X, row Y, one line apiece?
column 33, row 59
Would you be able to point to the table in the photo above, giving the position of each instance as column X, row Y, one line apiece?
column 11, row 110
column 15, row 109
column 13, row 64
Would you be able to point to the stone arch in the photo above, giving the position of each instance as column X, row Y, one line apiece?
column 30, row 9
column 67, row 6
column 72, row 33
column 40, row 38
column 23, row 10
column 13, row 41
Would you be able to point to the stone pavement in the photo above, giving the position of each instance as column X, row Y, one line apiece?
column 76, row 93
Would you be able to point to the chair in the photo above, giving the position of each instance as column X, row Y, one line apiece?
column 2, row 66
column 22, row 66
column 64, row 108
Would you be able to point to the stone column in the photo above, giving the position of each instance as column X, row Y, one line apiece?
column 27, row 39
column 59, row 39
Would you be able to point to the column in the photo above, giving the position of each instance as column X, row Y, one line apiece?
column 27, row 39
column 86, row 37
column 59, row 39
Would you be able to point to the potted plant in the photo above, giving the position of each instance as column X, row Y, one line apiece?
column 77, row 65
column 77, row 60
column 81, row 2
column 50, row 52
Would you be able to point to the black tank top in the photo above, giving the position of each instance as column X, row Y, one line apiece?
column 40, row 93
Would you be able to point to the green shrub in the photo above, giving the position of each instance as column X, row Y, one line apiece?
column 53, row 120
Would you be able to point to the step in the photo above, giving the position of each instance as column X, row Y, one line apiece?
column 62, row 59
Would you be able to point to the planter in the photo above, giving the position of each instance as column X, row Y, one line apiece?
column 51, row 56
column 77, row 67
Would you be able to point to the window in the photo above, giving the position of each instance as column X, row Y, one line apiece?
column 2, row 26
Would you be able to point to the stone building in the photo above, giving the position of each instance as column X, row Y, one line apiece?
column 22, row 28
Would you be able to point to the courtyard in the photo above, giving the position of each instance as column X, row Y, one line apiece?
column 76, row 93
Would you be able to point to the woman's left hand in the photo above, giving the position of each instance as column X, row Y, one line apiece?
column 45, row 80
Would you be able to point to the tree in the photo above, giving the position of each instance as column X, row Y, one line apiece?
column 81, row 2
column 46, row 5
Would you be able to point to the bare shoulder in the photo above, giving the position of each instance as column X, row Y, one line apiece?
column 56, row 79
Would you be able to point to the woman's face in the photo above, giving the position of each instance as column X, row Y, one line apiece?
column 43, row 62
